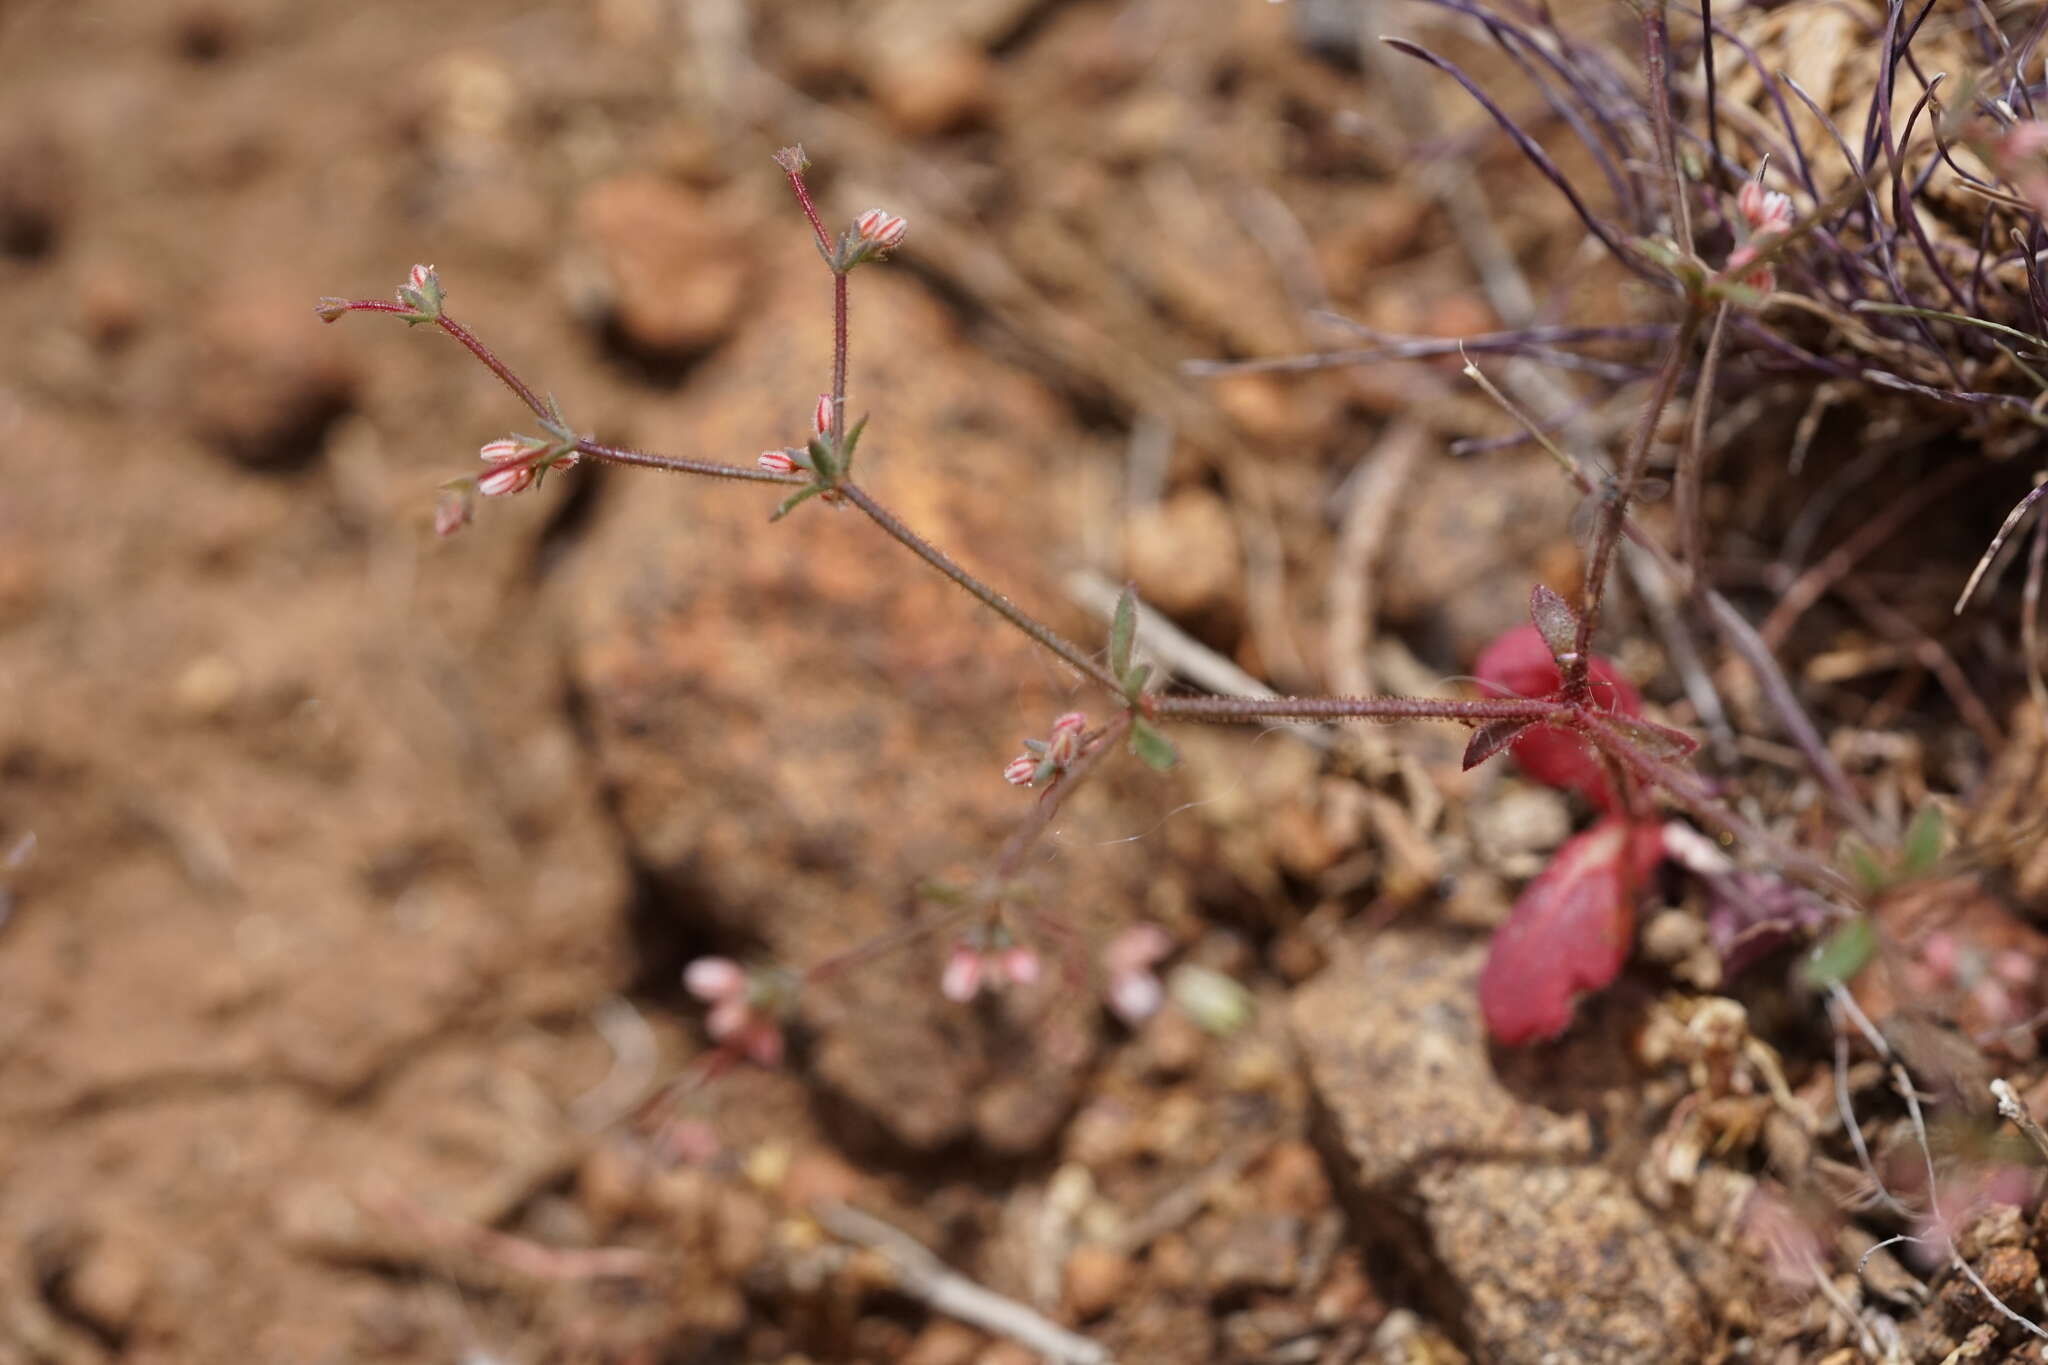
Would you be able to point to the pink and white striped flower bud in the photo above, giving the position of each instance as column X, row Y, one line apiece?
column 960, row 982
column 503, row 449
column 821, row 416
column 777, row 462
column 881, row 229
column 503, row 480
column 1021, row 771
column 420, row 276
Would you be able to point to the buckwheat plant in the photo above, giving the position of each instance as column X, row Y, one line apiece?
column 1548, row 697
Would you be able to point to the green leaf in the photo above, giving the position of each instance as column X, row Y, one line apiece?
column 1135, row 680
column 789, row 504
column 820, row 448
column 852, row 440
column 1924, row 839
column 1843, row 953
column 1123, row 632
column 1864, row 865
column 1153, row 749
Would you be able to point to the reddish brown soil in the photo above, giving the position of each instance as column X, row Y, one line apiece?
column 352, row 870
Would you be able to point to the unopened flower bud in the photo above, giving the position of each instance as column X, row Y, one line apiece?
column 821, row 416
column 777, row 462
column 961, row 980
column 503, row 449
column 1065, row 747
column 1020, row 965
column 714, row 978
column 504, row 479
column 452, row 512
column 1075, row 721
column 1021, row 770
column 419, row 276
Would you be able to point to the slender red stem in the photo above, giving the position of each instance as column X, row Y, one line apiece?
column 1240, row 709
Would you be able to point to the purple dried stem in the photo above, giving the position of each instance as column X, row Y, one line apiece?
column 1537, row 157
column 1613, row 511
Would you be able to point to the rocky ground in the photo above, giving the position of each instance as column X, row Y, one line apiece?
column 349, row 872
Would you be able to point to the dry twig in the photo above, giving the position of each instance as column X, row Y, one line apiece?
column 926, row 1278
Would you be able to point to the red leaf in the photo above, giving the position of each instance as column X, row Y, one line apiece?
column 1518, row 664
column 1569, row 931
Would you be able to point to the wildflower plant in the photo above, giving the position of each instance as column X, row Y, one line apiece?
column 1547, row 697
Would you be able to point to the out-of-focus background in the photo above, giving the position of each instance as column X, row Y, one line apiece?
column 349, row 872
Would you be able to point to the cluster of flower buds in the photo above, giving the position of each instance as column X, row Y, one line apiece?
column 986, row 957
column 1764, row 213
column 747, row 1008
column 1041, row 759
column 875, row 233
column 514, row 463
column 791, row 459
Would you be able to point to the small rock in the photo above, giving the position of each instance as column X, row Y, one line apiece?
column 1395, row 1047
column 1096, row 1277
column 926, row 84
column 108, row 1284
column 1536, row 1253
column 945, row 1342
column 671, row 270
column 35, row 194
column 264, row 386
column 1183, row 553
column 1259, row 1251
column 1291, row 1180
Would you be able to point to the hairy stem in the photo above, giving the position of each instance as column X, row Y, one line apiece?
column 1240, row 709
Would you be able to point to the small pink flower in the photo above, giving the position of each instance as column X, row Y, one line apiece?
column 504, row 479
column 973, row 963
column 1764, row 210
column 1022, row 771
column 1134, row 991
column 715, row 978
column 742, row 1016
column 777, row 462
column 961, row 980
column 420, row 276
column 1762, row 279
column 1021, row 965
column 881, row 229
column 821, row 416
